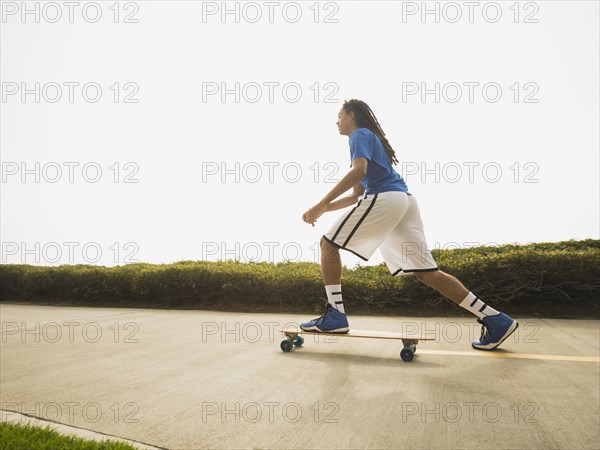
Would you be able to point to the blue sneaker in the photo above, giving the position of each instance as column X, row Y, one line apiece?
column 494, row 330
column 332, row 321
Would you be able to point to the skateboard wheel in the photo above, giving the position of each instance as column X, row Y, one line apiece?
column 407, row 354
column 298, row 341
column 286, row 345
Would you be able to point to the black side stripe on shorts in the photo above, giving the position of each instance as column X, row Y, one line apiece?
column 361, row 220
column 433, row 269
column 345, row 220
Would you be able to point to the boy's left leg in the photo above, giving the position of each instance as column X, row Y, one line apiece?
column 405, row 252
column 497, row 326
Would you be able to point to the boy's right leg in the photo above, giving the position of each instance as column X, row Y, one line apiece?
column 331, row 263
column 360, row 231
column 334, row 320
column 331, row 267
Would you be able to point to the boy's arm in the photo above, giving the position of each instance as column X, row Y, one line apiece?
column 358, row 171
column 357, row 192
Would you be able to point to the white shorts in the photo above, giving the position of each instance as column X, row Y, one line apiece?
column 390, row 221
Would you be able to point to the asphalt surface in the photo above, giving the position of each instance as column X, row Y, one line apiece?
column 197, row 379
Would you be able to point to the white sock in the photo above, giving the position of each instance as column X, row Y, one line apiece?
column 334, row 297
column 473, row 304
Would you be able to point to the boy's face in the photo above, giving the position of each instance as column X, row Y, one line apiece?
column 345, row 122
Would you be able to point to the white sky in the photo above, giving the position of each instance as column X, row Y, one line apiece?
column 546, row 143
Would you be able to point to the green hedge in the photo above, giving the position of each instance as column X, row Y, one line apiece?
column 560, row 279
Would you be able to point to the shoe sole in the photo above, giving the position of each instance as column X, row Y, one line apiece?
column 337, row 330
column 510, row 331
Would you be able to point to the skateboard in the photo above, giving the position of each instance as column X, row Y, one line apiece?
column 293, row 339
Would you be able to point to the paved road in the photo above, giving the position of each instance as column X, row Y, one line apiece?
column 197, row 379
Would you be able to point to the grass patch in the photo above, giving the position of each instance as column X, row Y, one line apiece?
column 29, row 437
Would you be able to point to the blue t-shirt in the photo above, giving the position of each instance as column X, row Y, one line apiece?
column 381, row 176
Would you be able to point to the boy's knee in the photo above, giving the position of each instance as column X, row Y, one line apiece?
column 326, row 244
column 329, row 252
column 427, row 277
column 421, row 276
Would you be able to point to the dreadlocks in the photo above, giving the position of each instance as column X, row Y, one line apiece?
column 365, row 118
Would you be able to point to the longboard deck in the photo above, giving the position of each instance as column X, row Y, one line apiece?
column 360, row 334
column 293, row 339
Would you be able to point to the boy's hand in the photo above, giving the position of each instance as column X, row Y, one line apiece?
column 314, row 213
